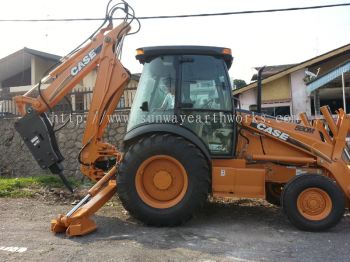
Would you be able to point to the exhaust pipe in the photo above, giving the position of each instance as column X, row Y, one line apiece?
column 258, row 102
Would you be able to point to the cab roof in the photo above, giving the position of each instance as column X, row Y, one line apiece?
column 148, row 53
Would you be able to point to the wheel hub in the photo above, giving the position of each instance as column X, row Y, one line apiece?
column 314, row 204
column 162, row 180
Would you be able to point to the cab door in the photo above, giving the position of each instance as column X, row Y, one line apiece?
column 205, row 102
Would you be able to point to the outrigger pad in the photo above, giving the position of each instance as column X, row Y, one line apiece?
column 81, row 227
column 38, row 134
column 77, row 227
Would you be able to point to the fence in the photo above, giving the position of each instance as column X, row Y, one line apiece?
column 80, row 100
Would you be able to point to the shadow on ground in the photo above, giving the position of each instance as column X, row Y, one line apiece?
column 245, row 229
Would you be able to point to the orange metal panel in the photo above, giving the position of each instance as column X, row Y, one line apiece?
column 238, row 182
column 280, row 174
column 236, row 163
column 223, row 179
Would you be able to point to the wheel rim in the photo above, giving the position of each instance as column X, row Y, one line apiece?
column 314, row 204
column 161, row 181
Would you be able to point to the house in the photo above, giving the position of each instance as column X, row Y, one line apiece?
column 303, row 87
column 24, row 68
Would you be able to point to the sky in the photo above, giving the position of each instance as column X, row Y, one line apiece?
column 255, row 39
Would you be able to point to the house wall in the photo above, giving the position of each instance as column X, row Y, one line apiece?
column 248, row 98
column 301, row 101
column 275, row 91
column 39, row 67
column 89, row 80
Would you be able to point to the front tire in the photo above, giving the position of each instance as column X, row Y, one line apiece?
column 163, row 179
column 313, row 202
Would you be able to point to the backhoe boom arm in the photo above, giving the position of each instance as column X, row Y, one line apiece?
column 39, row 135
column 112, row 77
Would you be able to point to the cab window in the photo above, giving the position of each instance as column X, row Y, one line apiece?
column 204, row 84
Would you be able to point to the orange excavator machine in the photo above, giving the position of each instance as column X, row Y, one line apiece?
column 186, row 139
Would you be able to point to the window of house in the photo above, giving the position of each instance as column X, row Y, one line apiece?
column 276, row 111
column 121, row 103
column 79, row 102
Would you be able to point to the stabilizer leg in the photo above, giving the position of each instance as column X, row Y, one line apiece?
column 77, row 222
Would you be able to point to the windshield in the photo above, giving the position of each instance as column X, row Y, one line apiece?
column 155, row 96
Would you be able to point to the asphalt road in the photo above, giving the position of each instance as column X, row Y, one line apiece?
column 239, row 231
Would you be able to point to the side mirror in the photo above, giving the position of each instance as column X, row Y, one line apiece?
column 144, row 107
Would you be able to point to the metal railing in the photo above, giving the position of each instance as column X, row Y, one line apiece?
column 80, row 99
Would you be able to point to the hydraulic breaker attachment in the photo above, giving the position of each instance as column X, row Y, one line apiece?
column 77, row 221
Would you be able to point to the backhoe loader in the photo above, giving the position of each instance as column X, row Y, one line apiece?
column 186, row 139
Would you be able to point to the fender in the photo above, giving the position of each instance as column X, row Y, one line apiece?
column 167, row 128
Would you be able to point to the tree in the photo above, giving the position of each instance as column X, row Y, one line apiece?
column 238, row 83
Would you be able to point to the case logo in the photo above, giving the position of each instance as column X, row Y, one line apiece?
column 85, row 61
column 272, row 131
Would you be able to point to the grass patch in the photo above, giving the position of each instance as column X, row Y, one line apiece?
column 27, row 186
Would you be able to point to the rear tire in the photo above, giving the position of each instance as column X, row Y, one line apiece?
column 313, row 202
column 163, row 179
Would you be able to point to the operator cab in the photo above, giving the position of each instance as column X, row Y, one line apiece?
column 187, row 87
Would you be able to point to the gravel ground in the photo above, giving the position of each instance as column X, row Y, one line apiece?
column 240, row 231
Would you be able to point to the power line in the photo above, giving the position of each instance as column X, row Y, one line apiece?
column 182, row 16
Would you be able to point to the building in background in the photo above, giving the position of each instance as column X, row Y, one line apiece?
column 304, row 87
column 24, row 68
